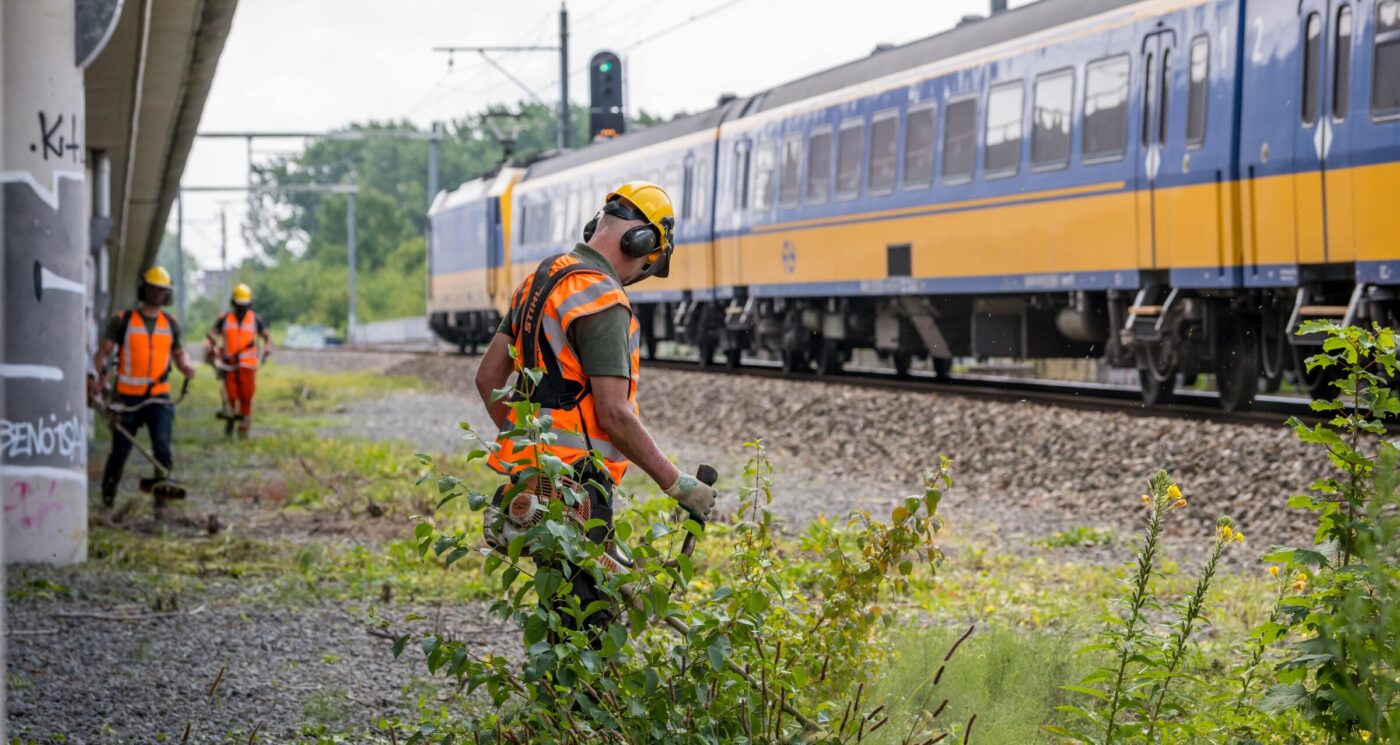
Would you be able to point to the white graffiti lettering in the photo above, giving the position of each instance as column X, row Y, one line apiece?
column 41, row 437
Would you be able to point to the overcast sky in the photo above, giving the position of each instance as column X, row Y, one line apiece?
column 315, row 65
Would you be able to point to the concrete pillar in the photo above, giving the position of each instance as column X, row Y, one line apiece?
column 43, row 432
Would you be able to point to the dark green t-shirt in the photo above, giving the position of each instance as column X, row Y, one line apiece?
column 599, row 339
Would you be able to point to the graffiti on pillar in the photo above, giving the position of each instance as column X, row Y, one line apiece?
column 57, row 141
column 30, row 502
column 42, row 436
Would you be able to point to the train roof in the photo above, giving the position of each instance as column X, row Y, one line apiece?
column 965, row 37
column 491, row 185
column 662, row 132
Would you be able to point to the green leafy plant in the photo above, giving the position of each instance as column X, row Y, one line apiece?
column 1132, row 699
column 747, row 641
column 1339, row 671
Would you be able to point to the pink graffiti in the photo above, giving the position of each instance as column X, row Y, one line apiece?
column 27, row 502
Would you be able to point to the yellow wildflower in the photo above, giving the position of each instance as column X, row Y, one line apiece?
column 1224, row 532
column 1180, row 503
column 1174, row 492
column 1273, row 570
column 1239, row 537
column 1146, row 499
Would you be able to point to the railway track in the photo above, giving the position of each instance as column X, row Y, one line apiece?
column 1267, row 410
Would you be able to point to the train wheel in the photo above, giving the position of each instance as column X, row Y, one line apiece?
column 794, row 362
column 1158, row 379
column 829, row 363
column 706, row 350
column 902, row 361
column 943, row 367
column 1237, row 363
column 1273, row 350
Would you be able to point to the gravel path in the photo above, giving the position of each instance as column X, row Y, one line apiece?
column 92, row 679
column 1023, row 470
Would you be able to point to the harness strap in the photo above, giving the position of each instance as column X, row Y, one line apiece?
column 554, row 391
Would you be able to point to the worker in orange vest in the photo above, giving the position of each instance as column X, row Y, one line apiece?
column 147, row 340
column 573, row 320
column 239, row 330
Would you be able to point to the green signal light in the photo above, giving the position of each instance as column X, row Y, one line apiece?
column 605, row 67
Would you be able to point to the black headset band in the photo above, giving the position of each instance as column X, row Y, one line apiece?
column 617, row 209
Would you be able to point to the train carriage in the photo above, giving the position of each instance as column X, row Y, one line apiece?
column 1171, row 185
column 467, row 249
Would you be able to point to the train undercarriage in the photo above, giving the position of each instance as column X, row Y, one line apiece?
column 1246, row 339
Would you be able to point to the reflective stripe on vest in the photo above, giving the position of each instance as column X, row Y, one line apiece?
column 575, row 429
column 239, row 337
column 143, row 367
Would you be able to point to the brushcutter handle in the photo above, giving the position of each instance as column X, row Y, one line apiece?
column 705, row 474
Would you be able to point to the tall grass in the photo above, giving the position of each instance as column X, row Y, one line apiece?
column 1012, row 679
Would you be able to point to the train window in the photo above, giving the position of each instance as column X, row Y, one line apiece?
column 1312, row 67
column 571, row 215
column 765, row 162
column 819, row 165
column 918, row 147
column 1005, row 117
column 1197, row 94
column 687, row 188
column 1147, row 100
column 790, row 188
column 850, row 154
column 884, row 152
column 700, row 189
column 1106, row 109
column 1341, row 68
column 671, row 182
column 960, row 140
column 1385, row 66
column 559, row 220
column 1050, row 120
column 741, row 175
column 1163, row 89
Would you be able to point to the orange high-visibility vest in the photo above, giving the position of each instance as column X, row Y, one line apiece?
column 541, row 327
column 143, row 367
column 239, row 338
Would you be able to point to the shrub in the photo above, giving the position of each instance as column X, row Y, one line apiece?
column 1339, row 671
column 768, row 645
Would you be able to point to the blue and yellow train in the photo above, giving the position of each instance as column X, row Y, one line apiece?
column 1171, row 185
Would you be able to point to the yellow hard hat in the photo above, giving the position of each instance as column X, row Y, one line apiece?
column 242, row 294
column 156, row 276
column 655, row 206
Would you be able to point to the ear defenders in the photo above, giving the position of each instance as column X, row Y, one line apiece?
column 639, row 241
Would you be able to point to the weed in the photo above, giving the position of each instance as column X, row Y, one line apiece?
column 1078, row 536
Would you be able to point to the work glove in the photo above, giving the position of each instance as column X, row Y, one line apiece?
column 697, row 497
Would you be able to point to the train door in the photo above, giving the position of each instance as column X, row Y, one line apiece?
column 1158, row 59
column 1337, row 189
column 495, row 247
column 738, row 214
column 1313, row 138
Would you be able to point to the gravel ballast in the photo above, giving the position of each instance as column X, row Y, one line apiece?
column 1022, row 468
column 89, row 667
